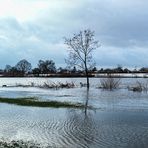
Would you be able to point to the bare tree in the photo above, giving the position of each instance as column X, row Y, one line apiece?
column 47, row 66
column 80, row 47
column 23, row 66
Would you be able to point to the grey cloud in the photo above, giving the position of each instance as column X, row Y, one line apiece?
column 121, row 27
column 19, row 41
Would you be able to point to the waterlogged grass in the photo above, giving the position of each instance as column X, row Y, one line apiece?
column 34, row 102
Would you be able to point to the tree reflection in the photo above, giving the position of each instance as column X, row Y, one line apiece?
column 82, row 124
column 86, row 101
column 82, row 127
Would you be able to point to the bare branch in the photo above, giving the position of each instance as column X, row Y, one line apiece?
column 81, row 46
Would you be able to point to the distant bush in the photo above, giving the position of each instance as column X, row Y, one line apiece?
column 139, row 87
column 57, row 85
column 47, row 85
column 110, row 82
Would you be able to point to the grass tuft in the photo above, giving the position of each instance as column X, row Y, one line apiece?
column 34, row 102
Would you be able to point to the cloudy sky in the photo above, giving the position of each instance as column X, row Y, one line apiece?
column 34, row 30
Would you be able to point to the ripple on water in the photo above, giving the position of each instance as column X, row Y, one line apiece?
column 73, row 129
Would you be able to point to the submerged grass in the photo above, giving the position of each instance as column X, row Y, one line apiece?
column 34, row 102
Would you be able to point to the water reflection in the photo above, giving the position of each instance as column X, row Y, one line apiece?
column 81, row 129
column 86, row 102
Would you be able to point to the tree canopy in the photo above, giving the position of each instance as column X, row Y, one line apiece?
column 46, row 66
column 23, row 66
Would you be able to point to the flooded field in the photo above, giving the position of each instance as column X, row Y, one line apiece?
column 119, row 118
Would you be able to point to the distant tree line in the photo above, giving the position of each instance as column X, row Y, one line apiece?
column 20, row 69
column 48, row 68
column 24, row 68
column 122, row 70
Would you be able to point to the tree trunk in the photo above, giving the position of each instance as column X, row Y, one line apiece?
column 87, row 81
column 86, row 72
column 87, row 77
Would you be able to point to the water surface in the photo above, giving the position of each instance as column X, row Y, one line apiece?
column 119, row 120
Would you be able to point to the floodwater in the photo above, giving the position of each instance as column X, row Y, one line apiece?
column 120, row 117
